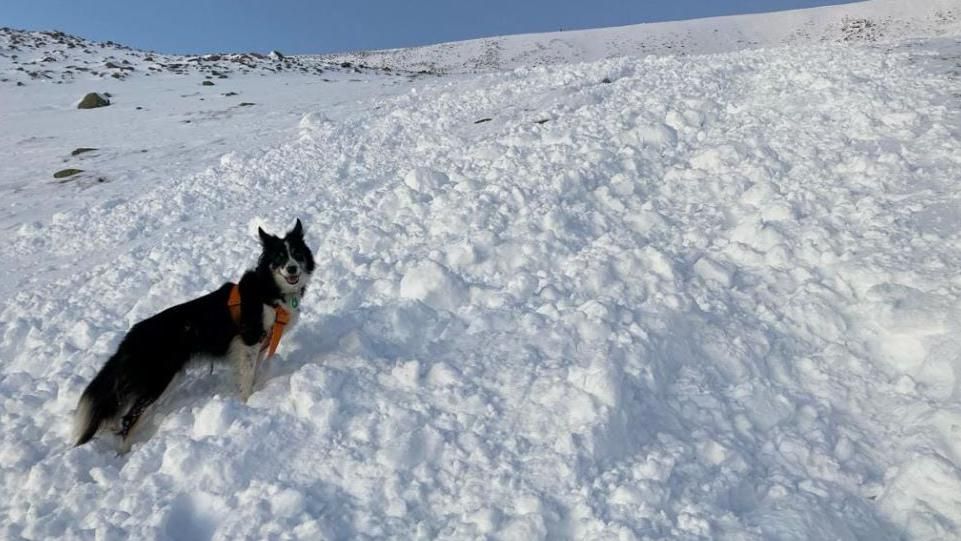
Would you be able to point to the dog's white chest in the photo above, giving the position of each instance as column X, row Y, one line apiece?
column 270, row 315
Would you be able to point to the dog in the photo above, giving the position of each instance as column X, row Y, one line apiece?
column 217, row 324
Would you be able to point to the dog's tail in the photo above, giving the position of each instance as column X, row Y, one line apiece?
column 98, row 403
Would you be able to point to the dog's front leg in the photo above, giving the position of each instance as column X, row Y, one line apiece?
column 245, row 348
column 244, row 358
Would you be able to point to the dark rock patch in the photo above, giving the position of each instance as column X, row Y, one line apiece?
column 64, row 173
column 92, row 101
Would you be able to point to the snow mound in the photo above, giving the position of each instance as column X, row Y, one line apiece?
column 425, row 180
column 434, row 285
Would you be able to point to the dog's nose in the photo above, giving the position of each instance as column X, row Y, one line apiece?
column 291, row 269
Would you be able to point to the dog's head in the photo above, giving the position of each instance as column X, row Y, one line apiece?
column 288, row 259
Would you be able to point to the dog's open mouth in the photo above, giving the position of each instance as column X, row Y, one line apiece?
column 292, row 279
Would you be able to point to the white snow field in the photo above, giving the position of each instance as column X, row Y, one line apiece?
column 652, row 297
column 864, row 21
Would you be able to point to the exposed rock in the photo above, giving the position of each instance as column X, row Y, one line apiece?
column 64, row 173
column 92, row 101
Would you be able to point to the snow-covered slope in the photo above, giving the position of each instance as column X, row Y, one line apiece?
column 867, row 21
column 59, row 57
column 54, row 56
column 677, row 297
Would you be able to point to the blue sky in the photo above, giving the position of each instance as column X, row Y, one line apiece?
column 304, row 26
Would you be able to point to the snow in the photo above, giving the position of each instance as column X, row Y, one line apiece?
column 433, row 285
column 714, row 297
column 854, row 21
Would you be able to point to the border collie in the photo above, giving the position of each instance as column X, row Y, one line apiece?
column 157, row 348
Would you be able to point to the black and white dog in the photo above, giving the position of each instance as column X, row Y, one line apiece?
column 157, row 348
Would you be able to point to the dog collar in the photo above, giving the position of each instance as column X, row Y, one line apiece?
column 294, row 300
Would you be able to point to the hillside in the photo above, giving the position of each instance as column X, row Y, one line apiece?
column 671, row 296
column 869, row 21
column 59, row 57
column 54, row 56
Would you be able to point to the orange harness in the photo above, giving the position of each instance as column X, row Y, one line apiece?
column 281, row 318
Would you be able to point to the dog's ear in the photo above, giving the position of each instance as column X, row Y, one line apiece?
column 265, row 237
column 297, row 231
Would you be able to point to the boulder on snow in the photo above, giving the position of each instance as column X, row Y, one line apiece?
column 64, row 173
column 92, row 101
column 208, row 83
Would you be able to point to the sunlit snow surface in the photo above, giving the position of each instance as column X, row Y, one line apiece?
column 651, row 298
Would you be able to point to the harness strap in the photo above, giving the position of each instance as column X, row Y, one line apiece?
column 281, row 319
column 233, row 304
